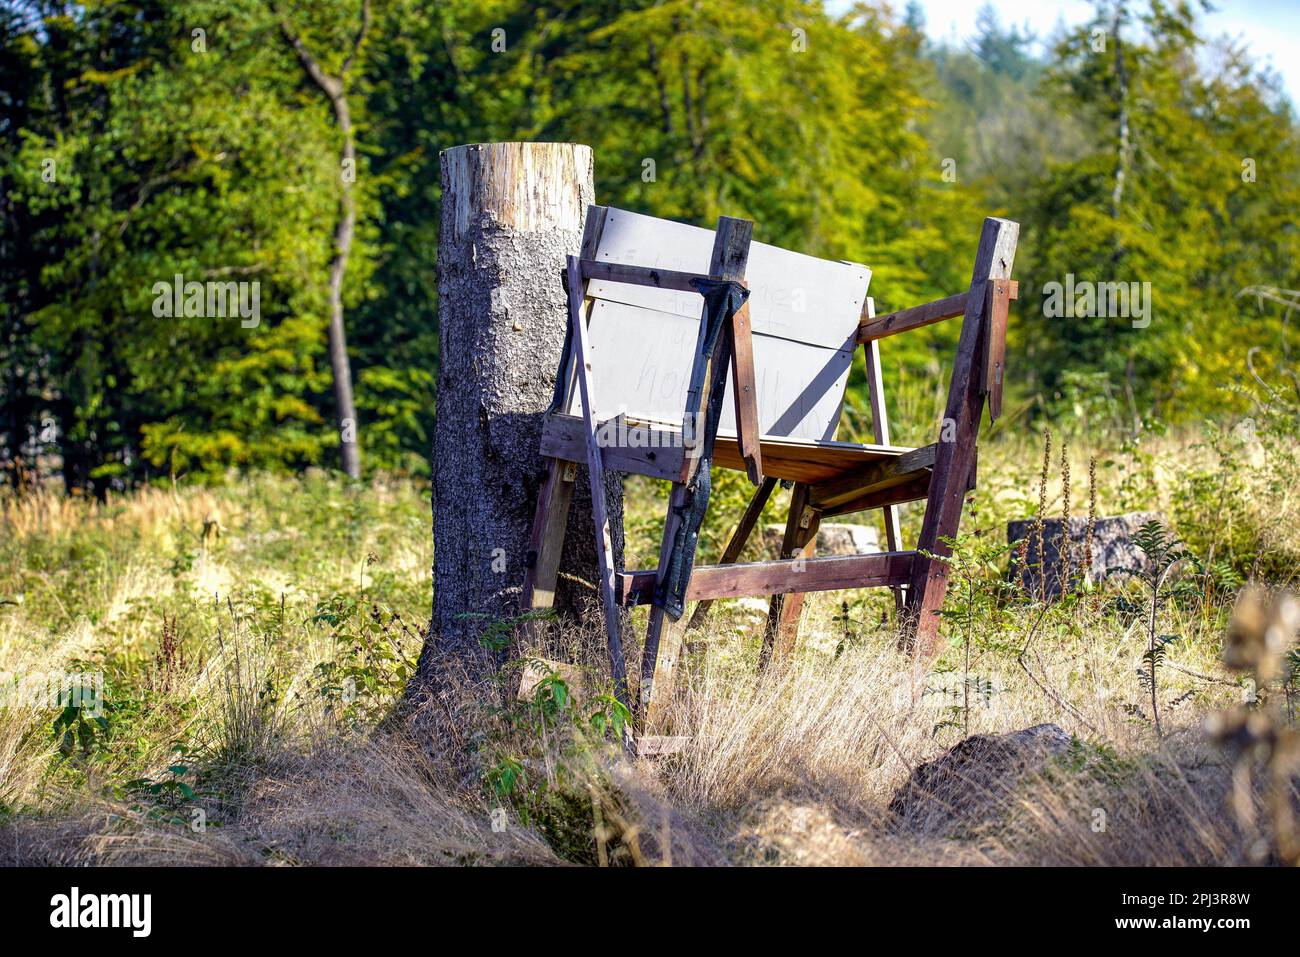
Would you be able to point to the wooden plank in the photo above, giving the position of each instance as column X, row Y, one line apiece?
column 873, row 476
column 955, row 459
column 802, row 461
column 668, row 658
column 641, row 449
column 728, row 260
column 781, row 576
column 795, row 460
column 892, row 323
column 744, row 394
column 736, row 544
column 596, row 473
column 640, row 275
column 646, row 357
column 786, row 607
column 910, row 491
column 880, row 432
column 913, row 490
column 995, row 344
column 795, row 296
column 554, row 499
column 546, row 540
column 914, row 317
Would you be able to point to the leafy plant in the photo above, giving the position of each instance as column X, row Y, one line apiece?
column 377, row 654
column 1163, row 554
column 975, row 564
column 78, row 730
column 165, row 798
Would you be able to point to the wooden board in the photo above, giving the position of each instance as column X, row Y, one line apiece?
column 778, row 577
column 785, row 610
column 955, row 459
column 727, row 260
column 655, row 452
column 803, row 461
column 793, row 296
column 873, row 477
column 892, row 323
column 642, row 361
column 797, row 460
column 596, row 476
column 880, row 431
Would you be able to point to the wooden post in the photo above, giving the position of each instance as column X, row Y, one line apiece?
column 736, row 545
column 550, row 519
column 582, row 359
column 730, row 256
column 511, row 213
column 880, row 431
column 784, row 612
column 955, row 455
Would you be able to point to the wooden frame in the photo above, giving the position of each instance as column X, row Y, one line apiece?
column 829, row 478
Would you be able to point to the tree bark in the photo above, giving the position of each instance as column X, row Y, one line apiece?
column 511, row 212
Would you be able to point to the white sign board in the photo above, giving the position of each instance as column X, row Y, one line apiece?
column 804, row 313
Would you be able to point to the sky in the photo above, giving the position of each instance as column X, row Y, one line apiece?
column 1271, row 28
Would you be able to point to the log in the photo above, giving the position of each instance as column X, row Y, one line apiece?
column 511, row 214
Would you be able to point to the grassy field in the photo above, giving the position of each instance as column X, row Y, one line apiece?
column 254, row 638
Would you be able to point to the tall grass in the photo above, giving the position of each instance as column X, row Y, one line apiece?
column 253, row 642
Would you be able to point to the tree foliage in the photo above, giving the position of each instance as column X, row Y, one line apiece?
column 144, row 140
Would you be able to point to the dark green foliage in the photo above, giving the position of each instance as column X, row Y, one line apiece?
column 133, row 149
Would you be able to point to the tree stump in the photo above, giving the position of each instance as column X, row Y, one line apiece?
column 511, row 213
column 1112, row 547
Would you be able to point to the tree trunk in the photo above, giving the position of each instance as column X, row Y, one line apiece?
column 346, row 411
column 335, row 89
column 511, row 212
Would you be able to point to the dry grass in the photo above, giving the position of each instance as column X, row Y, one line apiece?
column 276, row 588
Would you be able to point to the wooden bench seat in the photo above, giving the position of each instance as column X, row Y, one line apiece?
column 656, row 450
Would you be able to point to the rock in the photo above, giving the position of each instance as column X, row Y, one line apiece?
column 969, row 784
column 1112, row 547
column 832, row 539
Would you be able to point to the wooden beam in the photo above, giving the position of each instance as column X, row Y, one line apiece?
column 551, row 516
column 910, row 491
column 730, row 256
column 880, row 432
column 993, row 360
column 780, row 577
column 659, row 453
column 804, row 460
column 744, row 528
column 546, row 540
column 596, row 473
column 873, row 476
column 892, row 323
column 914, row 317
column 640, row 275
column 786, row 608
column 955, row 459
column 744, row 393
column 648, row 450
